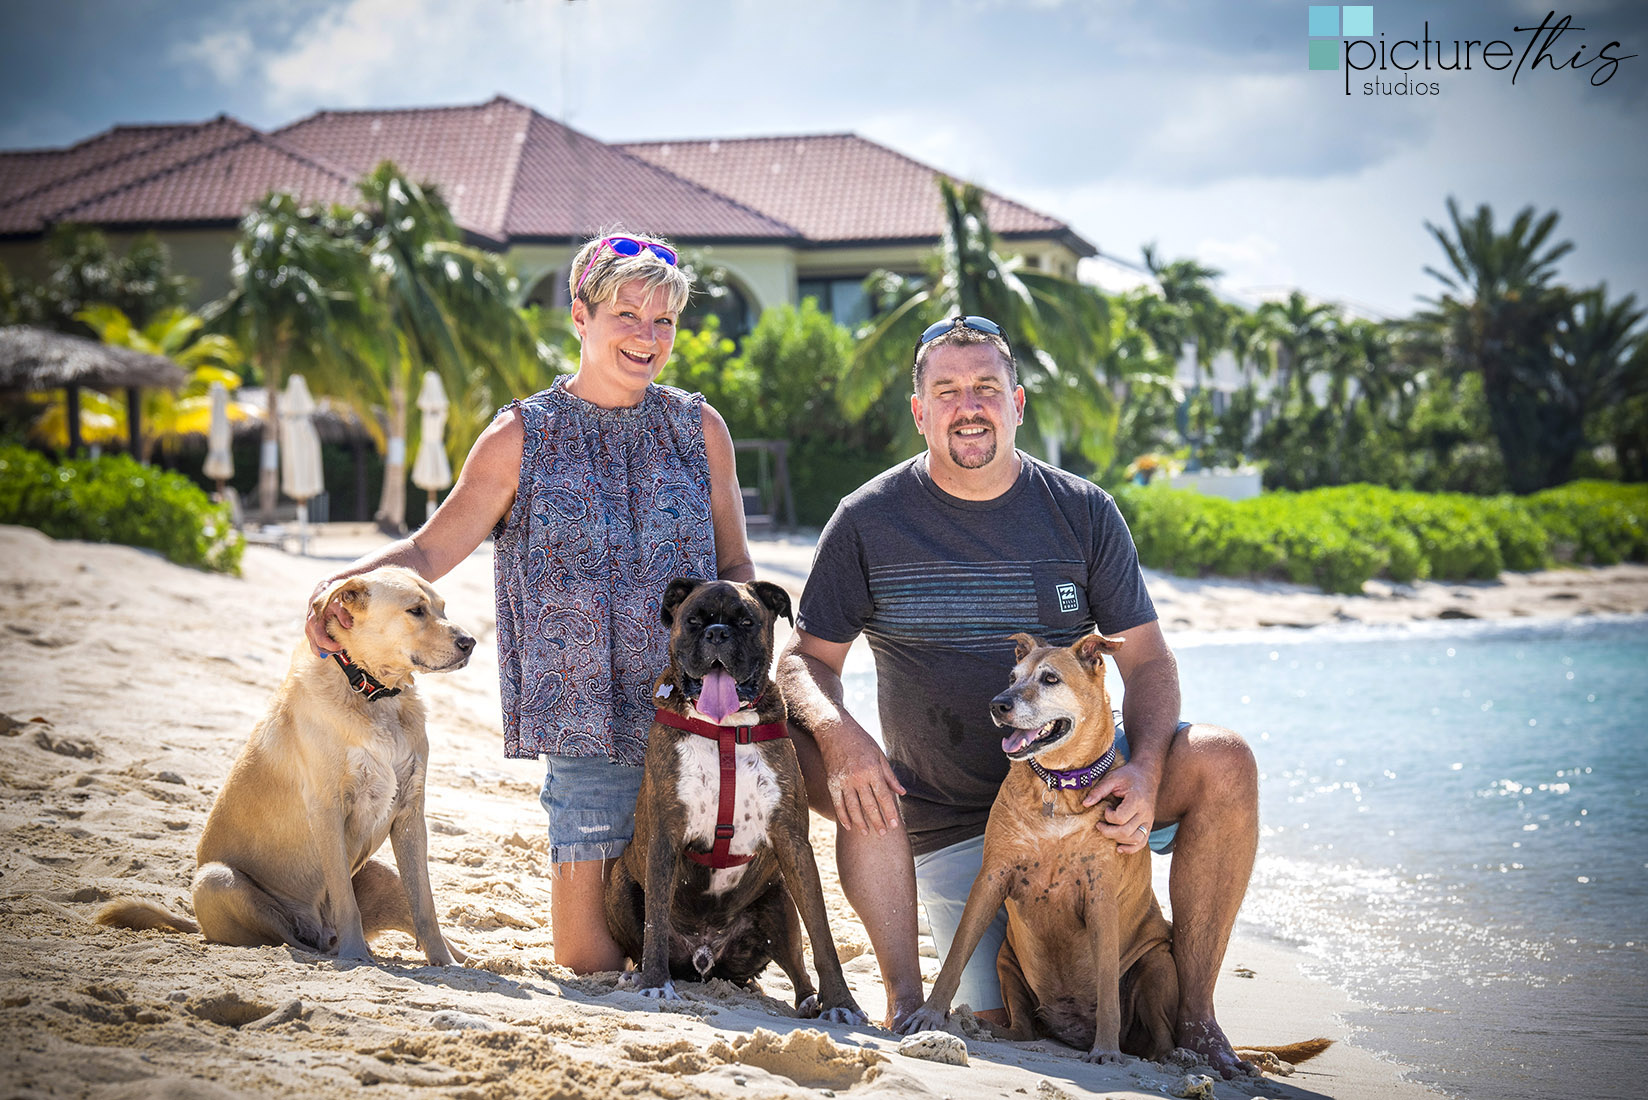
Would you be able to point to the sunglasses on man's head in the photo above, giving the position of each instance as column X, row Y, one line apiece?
column 626, row 246
column 977, row 324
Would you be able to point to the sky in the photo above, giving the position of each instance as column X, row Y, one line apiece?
column 1195, row 125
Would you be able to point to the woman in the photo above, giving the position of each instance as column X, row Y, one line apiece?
column 598, row 491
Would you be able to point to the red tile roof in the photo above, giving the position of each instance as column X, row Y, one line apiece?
column 29, row 169
column 57, row 196
column 837, row 187
column 509, row 174
column 569, row 186
column 218, row 186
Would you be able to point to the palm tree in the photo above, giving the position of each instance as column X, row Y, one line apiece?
column 300, row 298
column 1599, row 364
column 1195, row 314
column 1498, row 316
column 1298, row 334
column 180, row 336
column 446, row 306
column 1057, row 329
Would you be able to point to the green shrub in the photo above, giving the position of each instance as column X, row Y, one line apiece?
column 116, row 499
column 1594, row 522
column 1340, row 537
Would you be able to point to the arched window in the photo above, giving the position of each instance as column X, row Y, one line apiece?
column 723, row 299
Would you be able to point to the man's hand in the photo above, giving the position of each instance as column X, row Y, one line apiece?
column 1129, row 822
column 861, row 780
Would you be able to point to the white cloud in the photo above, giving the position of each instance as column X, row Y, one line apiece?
column 227, row 55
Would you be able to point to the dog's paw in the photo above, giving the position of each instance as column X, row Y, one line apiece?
column 629, row 981
column 1103, row 1057
column 807, row 1007
column 848, row 1013
column 923, row 1019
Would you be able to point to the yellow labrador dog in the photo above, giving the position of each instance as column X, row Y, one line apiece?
column 335, row 766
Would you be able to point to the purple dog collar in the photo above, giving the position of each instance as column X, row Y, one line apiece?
column 1077, row 778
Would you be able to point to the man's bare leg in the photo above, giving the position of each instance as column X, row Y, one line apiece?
column 878, row 875
column 578, row 917
column 1210, row 785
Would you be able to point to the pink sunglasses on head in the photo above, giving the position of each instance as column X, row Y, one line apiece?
column 625, row 246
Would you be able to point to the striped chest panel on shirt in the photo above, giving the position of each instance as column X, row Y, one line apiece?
column 973, row 606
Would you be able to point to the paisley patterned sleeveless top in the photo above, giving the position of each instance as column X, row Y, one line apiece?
column 612, row 505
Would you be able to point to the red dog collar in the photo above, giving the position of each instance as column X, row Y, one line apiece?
column 720, row 855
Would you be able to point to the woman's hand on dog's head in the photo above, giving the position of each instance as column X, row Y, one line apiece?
column 314, row 624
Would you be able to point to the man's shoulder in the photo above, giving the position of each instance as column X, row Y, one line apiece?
column 1064, row 484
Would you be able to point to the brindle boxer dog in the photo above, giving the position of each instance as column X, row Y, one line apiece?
column 1088, row 955
column 710, row 884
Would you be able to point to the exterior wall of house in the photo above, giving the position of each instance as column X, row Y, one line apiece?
column 764, row 274
column 201, row 254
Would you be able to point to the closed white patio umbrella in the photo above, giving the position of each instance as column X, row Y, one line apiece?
column 220, row 459
column 300, row 470
column 431, row 471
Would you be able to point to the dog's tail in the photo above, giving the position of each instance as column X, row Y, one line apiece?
column 1291, row 1053
column 144, row 915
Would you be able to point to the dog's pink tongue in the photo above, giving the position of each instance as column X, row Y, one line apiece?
column 720, row 695
column 1016, row 740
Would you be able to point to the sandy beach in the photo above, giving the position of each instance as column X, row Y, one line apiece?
column 130, row 686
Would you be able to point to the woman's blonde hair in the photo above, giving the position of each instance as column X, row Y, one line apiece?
column 608, row 271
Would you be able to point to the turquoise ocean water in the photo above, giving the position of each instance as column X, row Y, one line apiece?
column 1454, row 830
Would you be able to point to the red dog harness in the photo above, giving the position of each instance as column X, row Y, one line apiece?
column 720, row 856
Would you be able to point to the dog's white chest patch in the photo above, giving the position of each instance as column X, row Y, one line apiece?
column 753, row 806
column 374, row 770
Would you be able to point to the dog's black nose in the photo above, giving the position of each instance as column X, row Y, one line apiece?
column 465, row 643
column 1002, row 704
column 718, row 634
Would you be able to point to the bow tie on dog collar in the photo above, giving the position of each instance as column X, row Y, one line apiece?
column 362, row 681
column 1077, row 778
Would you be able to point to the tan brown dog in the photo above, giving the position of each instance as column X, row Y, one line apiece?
column 709, row 886
column 1088, row 955
column 336, row 765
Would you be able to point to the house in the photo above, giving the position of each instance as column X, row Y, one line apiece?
column 783, row 217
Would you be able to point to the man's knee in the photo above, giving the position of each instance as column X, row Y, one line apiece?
column 1210, row 765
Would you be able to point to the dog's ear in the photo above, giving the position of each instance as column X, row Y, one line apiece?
column 350, row 594
column 677, row 592
column 774, row 598
column 1090, row 650
column 1022, row 645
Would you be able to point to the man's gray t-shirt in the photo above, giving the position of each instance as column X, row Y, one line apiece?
column 937, row 584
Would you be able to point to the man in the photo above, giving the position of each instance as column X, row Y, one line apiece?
column 937, row 561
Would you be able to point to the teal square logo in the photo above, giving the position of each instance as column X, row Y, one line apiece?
column 1324, row 53
column 1358, row 22
column 1324, row 21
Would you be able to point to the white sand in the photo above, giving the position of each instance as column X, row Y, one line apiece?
column 130, row 685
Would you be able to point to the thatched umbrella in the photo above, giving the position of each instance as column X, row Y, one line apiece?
column 38, row 359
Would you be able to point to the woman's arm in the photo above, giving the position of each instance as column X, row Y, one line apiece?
column 483, row 495
column 732, row 552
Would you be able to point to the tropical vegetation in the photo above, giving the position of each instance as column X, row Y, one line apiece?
column 114, row 498
column 1338, row 538
column 1507, row 381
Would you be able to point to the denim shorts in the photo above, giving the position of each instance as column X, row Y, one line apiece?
column 591, row 806
column 943, row 879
